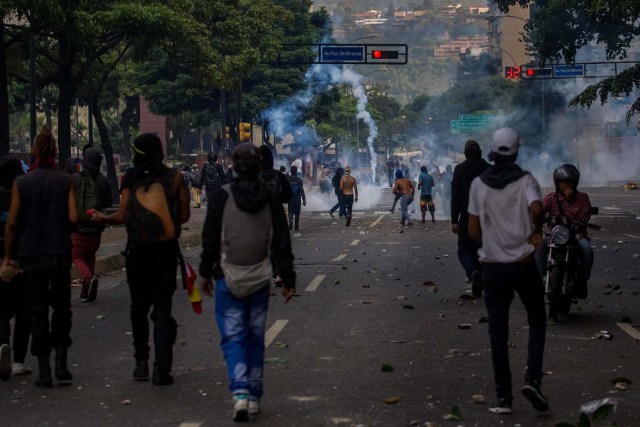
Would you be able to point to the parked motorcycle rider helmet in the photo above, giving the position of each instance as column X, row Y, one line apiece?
column 566, row 172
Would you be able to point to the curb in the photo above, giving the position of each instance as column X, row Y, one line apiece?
column 116, row 261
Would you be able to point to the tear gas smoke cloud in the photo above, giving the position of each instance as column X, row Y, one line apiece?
column 287, row 117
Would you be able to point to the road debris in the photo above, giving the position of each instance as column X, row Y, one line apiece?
column 392, row 400
column 478, row 398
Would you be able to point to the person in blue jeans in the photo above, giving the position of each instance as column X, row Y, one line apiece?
column 253, row 223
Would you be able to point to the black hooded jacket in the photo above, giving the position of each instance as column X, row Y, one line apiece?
column 276, row 181
column 250, row 195
column 91, row 160
column 463, row 175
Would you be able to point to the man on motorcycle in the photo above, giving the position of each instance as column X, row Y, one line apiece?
column 575, row 205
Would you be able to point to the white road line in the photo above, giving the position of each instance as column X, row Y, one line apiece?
column 315, row 283
column 191, row 424
column 355, row 242
column 376, row 221
column 273, row 332
column 635, row 334
column 339, row 257
column 631, row 235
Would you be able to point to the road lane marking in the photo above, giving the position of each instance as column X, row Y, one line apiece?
column 635, row 334
column 273, row 332
column 339, row 257
column 376, row 221
column 315, row 283
column 355, row 242
column 191, row 424
column 631, row 235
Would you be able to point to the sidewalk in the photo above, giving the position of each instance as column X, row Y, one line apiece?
column 114, row 240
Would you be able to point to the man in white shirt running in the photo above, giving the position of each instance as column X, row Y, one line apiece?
column 505, row 218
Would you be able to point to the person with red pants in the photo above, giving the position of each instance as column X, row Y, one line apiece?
column 86, row 237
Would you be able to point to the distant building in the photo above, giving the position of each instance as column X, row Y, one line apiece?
column 506, row 34
column 461, row 45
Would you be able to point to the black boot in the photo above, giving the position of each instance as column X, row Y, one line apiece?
column 62, row 371
column 297, row 225
column 141, row 371
column 44, row 377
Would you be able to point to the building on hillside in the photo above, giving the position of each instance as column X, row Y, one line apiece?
column 467, row 44
column 370, row 14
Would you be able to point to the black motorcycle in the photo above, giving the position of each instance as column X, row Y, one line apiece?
column 561, row 276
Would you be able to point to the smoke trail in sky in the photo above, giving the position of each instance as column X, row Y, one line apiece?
column 288, row 117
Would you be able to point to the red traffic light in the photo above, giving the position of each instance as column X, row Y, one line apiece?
column 530, row 72
column 384, row 54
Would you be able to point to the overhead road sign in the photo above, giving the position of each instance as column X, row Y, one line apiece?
column 469, row 123
column 342, row 53
column 336, row 53
column 602, row 69
column 576, row 70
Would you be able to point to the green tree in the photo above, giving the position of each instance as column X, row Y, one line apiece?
column 73, row 38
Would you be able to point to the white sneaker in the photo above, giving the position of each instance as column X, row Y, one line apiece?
column 240, row 407
column 254, row 405
column 20, row 369
column 5, row 362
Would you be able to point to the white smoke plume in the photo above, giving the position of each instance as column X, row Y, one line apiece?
column 286, row 117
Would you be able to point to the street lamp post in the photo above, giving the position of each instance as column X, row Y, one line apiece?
column 372, row 36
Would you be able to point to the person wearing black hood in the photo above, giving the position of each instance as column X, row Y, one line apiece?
column 91, row 187
column 335, row 181
column 505, row 219
column 276, row 181
column 154, row 203
column 463, row 174
column 252, row 221
column 13, row 290
column 212, row 176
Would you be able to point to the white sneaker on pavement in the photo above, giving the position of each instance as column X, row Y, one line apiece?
column 241, row 407
column 254, row 405
column 20, row 369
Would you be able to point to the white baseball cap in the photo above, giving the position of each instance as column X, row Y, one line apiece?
column 506, row 142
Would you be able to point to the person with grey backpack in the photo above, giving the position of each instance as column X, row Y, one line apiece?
column 246, row 222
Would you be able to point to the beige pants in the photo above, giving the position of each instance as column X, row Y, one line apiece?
column 195, row 195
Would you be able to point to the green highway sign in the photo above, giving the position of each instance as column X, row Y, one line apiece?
column 472, row 123
column 455, row 127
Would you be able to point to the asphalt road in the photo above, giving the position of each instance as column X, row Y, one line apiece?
column 361, row 304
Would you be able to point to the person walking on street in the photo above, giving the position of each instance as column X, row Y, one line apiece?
column 505, row 219
column 278, row 183
column 196, row 186
column 349, row 189
column 252, row 221
column 396, row 197
column 405, row 188
column 425, row 184
column 93, row 191
column 41, row 218
column 153, row 204
column 13, row 290
column 445, row 186
column 463, row 175
column 297, row 197
column 212, row 176
column 335, row 181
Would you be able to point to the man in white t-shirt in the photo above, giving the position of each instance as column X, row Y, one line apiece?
column 505, row 218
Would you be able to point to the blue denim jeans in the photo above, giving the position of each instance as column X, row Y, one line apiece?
column 405, row 201
column 242, row 326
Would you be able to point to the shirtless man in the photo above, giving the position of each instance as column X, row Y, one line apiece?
column 349, row 188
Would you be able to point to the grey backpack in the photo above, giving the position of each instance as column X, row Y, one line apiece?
column 245, row 247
